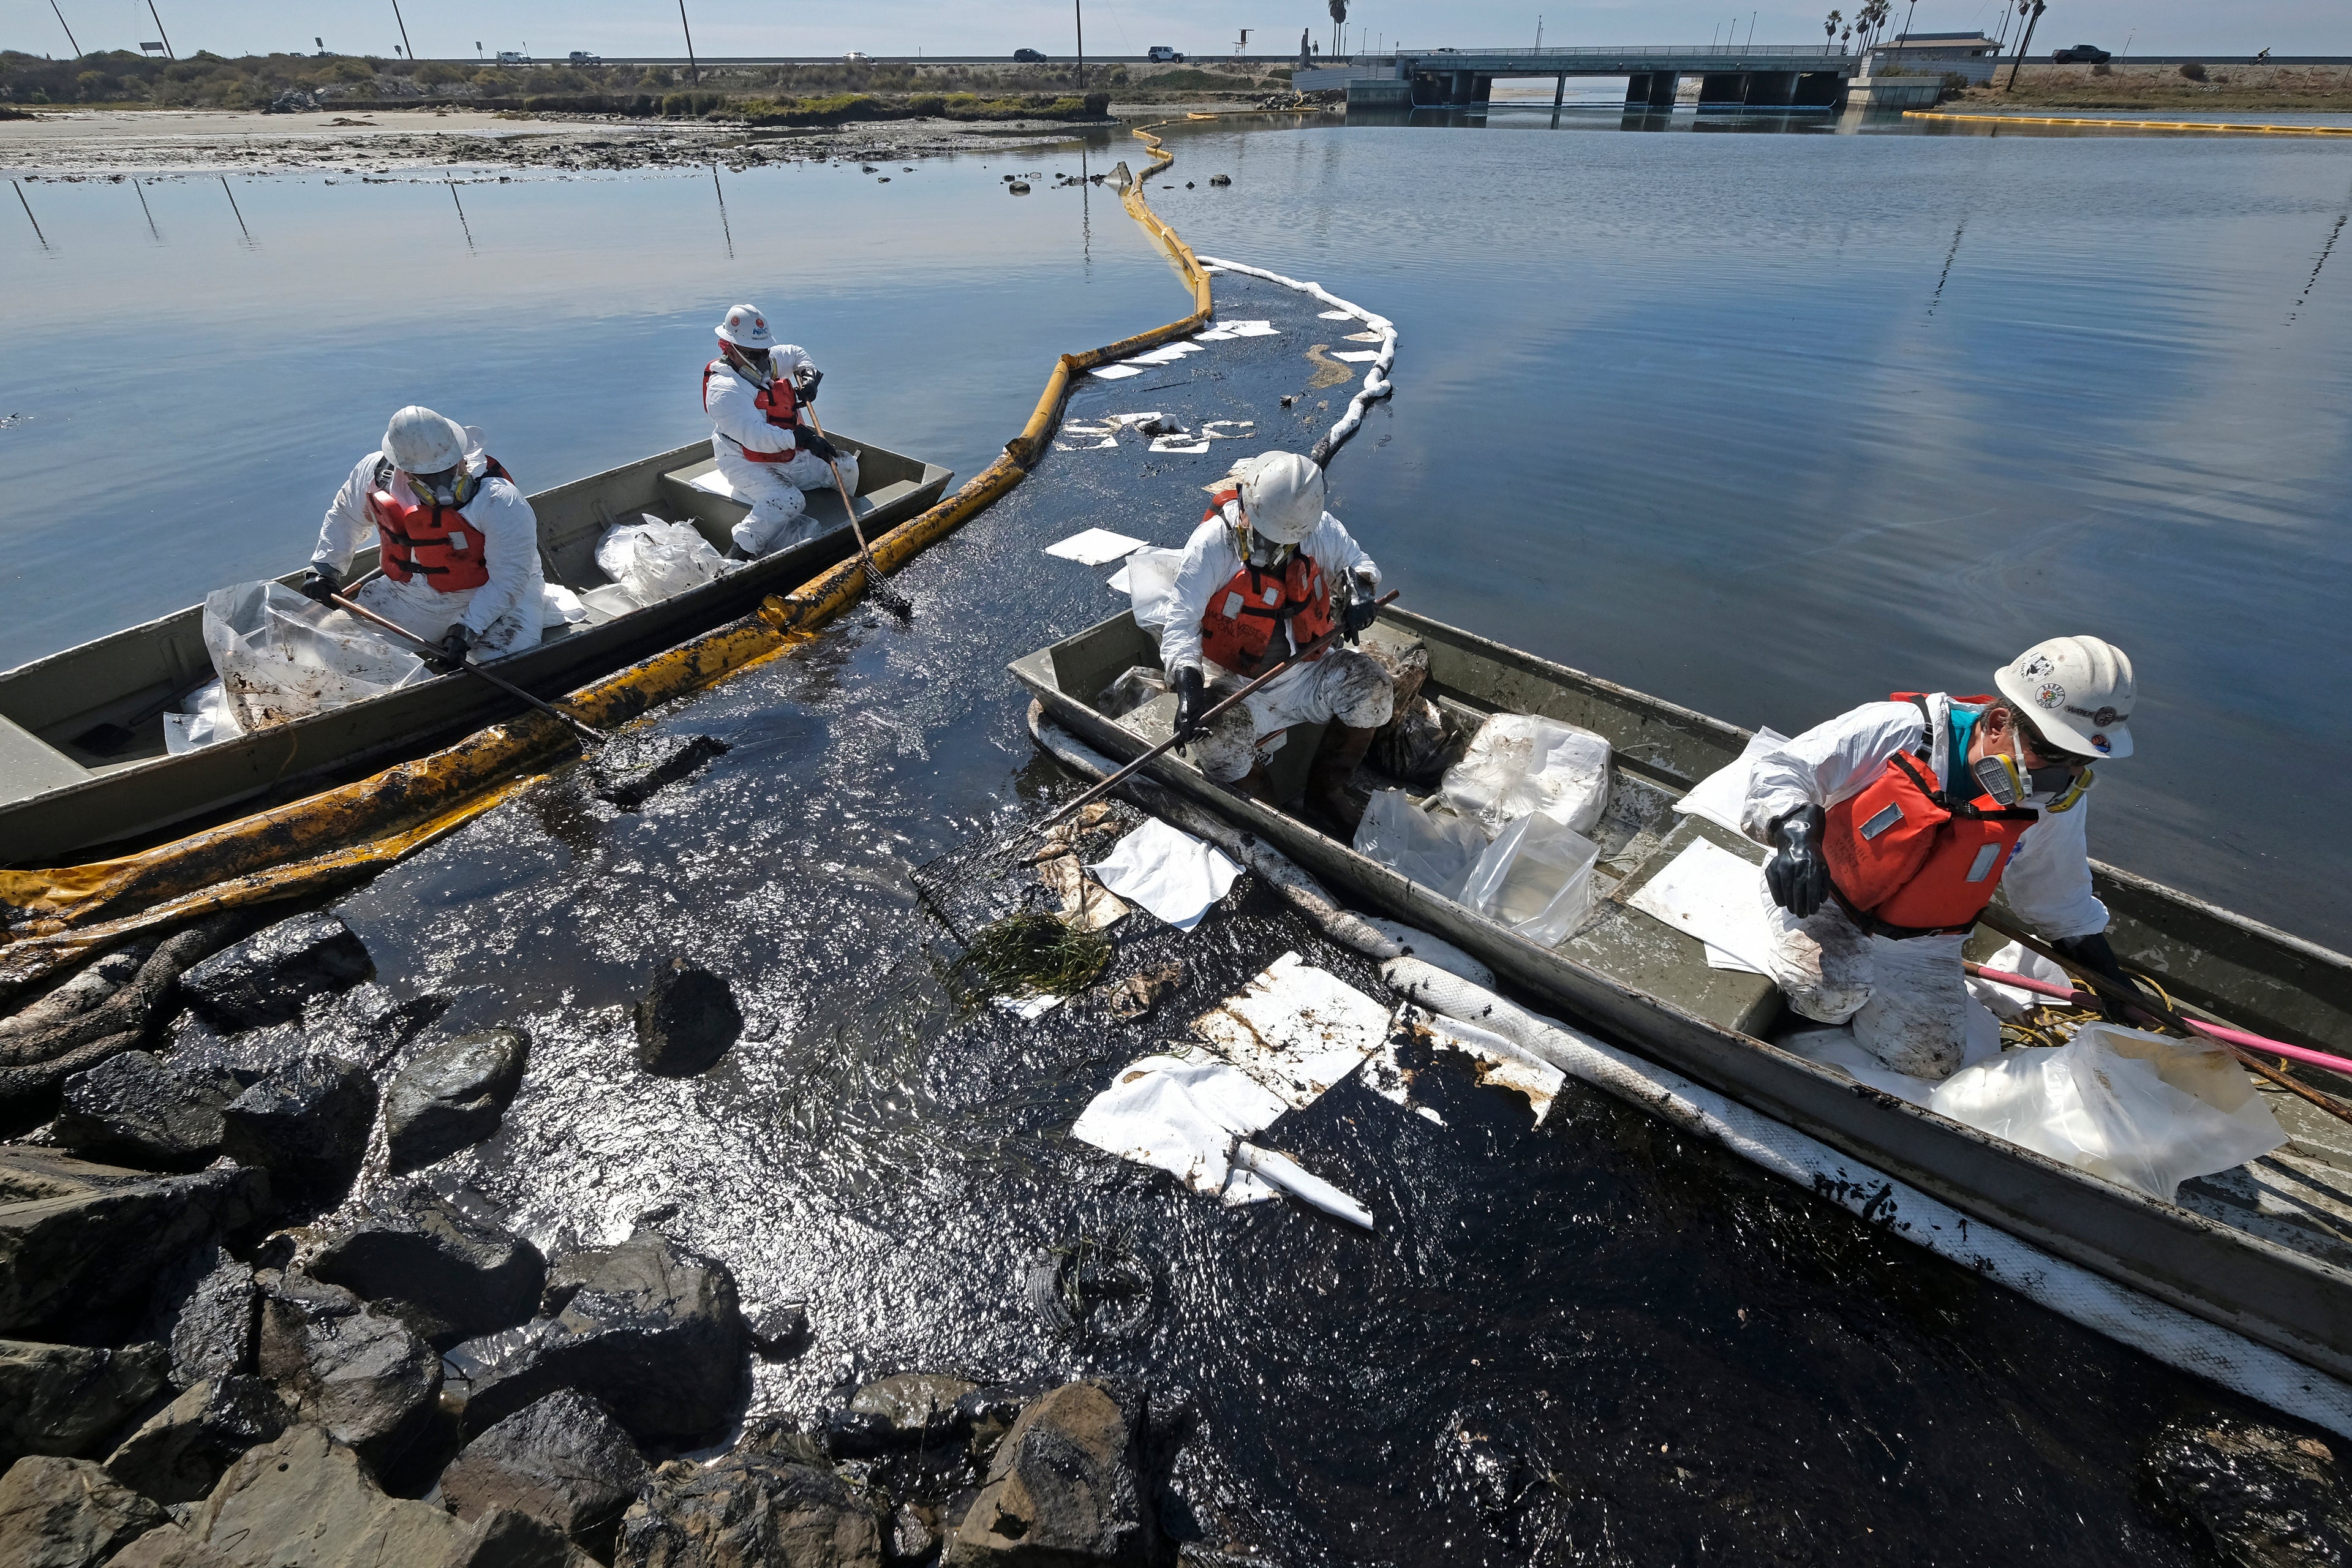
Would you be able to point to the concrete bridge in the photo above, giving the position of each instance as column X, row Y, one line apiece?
column 1776, row 76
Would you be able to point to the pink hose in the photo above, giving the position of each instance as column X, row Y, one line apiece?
column 2219, row 1031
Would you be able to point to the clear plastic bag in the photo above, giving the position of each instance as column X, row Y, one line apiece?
column 2141, row 1109
column 1435, row 850
column 1151, row 586
column 1518, row 763
column 1536, row 878
column 205, row 722
column 282, row 657
column 654, row 559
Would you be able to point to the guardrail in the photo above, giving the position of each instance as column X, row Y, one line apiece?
column 1621, row 51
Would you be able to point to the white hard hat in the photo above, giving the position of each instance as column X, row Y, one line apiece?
column 1282, row 495
column 746, row 328
column 419, row 441
column 2077, row 691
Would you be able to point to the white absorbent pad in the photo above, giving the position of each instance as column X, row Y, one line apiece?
column 1094, row 547
column 716, row 483
column 1115, row 371
column 1173, row 875
column 1719, row 796
column 1708, row 892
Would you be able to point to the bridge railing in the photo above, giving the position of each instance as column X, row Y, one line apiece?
column 1572, row 52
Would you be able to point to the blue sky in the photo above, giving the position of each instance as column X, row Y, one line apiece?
column 445, row 27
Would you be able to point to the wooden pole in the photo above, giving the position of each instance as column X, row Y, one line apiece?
column 693, row 71
column 403, row 32
column 1079, row 6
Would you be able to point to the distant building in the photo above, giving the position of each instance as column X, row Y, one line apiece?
column 1970, row 55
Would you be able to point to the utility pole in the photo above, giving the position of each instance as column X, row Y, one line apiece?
column 76, row 50
column 403, row 30
column 2025, row 43
column 167, row 45
column 693, row 71
column 1079, row 7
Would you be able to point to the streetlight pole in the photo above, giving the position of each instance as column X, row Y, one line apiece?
column 1079, row 8
column 693, row 71
column 403, row 30
column 70, row 39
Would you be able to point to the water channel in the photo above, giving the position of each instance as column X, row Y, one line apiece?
column 1767, row 424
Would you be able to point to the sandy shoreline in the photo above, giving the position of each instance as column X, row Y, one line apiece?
column 113, row 143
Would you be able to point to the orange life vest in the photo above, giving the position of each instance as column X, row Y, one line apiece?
column 1909, row 856
column 1237, row 629
column 777, row 400
column 424, row 540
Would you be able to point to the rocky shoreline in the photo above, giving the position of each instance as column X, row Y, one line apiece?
column 210, row 1355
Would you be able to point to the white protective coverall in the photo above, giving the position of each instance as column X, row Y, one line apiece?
column 1346, row 684
column 779, row 514
column 1907, row 999
column 505, row 615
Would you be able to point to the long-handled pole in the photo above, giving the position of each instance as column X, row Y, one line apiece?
column 592, row 736
column 2101, row 985
column 889, row 598
column 1309, row 651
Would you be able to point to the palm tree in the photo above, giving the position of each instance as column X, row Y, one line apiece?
column 1830, row 27
column 1339, row 20
column 2033, row 18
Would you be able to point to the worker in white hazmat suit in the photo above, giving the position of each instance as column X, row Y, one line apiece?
column 1891, row 827
column 754, row 392
column 1256, row 585
column 458, row 546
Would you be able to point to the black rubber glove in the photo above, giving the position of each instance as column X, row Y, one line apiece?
column 1796, row 875
column 816, row 445
column 454, row 643
column 1361, row 609
column 2097, row 954
column 808, row 383
column 320, row 583
column 1192, row 702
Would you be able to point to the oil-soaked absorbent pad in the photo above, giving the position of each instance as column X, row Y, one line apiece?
column 1499, row 1063
column 1712, row 894
column 1289, row 1035
column 1173, row 875
column 1095, row 546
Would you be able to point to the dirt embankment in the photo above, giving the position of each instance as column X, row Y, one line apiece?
column 2187, row 90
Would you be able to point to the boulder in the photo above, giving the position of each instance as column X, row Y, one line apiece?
column 652, row 1330
column 362, row 1376
column 779, row 1331
column 450, row 1276
column 307, row 1125
column 71, row 1400
column 2259, row 1496
column 179, row 1454
column 68, row 1513
column 203, row 1307
column 134, row 1108
column 744, row 1510
column 307, row 1500
column 452, row 1096
column 686, row 1020
column 169, row 1546
column 564, row 1460
column 507, row 1539
column 85, row 1240
column 266, row 978
column 1071, row 1485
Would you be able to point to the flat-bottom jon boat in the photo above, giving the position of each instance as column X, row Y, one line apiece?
column 61, row 800
column 2265, row 1248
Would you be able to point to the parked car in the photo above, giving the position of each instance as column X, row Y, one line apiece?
column 1160, row 54
column 1029, row 56
column 2081, row 55
column 582, row 57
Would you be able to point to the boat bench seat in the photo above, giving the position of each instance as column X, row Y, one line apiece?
column 1641, row 951
column 681, row 492
column 30, row 766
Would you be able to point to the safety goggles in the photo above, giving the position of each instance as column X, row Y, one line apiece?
column 447, row 488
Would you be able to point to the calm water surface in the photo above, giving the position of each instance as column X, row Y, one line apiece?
column 1768, row 424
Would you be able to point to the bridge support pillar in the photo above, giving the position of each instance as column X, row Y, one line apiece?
column 1723, row 90
column 1664, row 87
column 1560, row 93
column 1637, row 89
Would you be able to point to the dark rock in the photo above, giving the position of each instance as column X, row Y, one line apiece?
column 915, row 1402
column 452, row 1096
column 307, row 1125
column 914, row 1534
column 860, row 1434
column 746, row 1509
column 265, row 978
column 1071, row 1484
column 686, row 1020
column 988, row 1414
column 627, row 770
column 135, row 1109
column 71, row 1400
column 307, row 1500
column 2261, row 1497
column 507, row 1539
column 450, row 1276
column 204, row 1310
column 652, row 1330
column 361, row 1375
column 1220, row 179
column 87, row 1239
column 68, row 1513
column 179, row 1455
column 778, row 1332
column 564, row 1460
